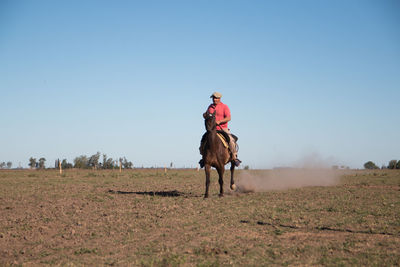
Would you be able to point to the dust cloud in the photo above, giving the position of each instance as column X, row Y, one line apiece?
column 280, row 179
column 309, row 171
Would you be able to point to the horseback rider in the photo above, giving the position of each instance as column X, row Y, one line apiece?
column 222, row 116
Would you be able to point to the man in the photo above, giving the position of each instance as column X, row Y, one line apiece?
column 222, row 117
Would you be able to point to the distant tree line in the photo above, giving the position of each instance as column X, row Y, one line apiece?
column 393, row 164
column 81, row 162
column 3, row 165
column 93, row 162
column 38, row 164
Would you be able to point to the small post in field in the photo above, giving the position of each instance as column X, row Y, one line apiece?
column 120, row 166
column 59, row 166
column 165, row 169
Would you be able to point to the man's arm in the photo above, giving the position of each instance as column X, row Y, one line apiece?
column 227, row 115
column 227, row 119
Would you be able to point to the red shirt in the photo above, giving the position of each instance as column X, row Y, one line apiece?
column 222, row 112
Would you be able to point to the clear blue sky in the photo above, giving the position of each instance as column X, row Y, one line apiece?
column 132, row 78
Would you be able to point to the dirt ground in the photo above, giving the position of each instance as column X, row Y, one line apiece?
column 151, row 218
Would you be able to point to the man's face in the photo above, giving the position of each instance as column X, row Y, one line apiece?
column 216, row 100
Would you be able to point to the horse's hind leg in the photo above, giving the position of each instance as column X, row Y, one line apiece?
column 207, row 169
column 233, row 186
column 221, row 171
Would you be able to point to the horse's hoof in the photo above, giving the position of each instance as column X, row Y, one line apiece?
column 221, row 195
column 233, row 187
column 205, row 196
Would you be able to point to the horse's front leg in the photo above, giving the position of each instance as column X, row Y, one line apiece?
column 221, row 171
column 233, row 186
column 207, row 169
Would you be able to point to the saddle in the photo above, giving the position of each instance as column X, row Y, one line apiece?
column 226, row 136
column 222, row 135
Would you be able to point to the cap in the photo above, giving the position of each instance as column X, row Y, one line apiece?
column 216, row 95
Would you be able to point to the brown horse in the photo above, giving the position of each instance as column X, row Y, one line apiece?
column 216, row 155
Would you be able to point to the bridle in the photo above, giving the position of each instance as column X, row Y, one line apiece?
column 210, row 116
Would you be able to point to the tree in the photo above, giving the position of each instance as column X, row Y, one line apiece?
column 81, row 162
column 32, row 162
column 370, row 165
column 9, row 164
column 125, row 163
column 128, row 165
column 41, row 163
column 66, row 165
column 108, row 163
column 392, row 164
column 94, row 160
column 398, row 165
column 104, row 161
column 2, row 165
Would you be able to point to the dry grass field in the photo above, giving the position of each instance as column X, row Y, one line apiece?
column 151, row 218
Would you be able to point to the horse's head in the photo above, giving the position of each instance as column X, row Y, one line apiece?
column 210, row 121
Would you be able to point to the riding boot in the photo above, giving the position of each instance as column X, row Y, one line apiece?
column 201, row 162
column 235, row 159
column 201, row 148
column 237, row 162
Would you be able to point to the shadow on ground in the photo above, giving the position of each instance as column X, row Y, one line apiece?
column 173, row 193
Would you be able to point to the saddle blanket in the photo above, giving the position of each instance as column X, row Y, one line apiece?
column 221, row 136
